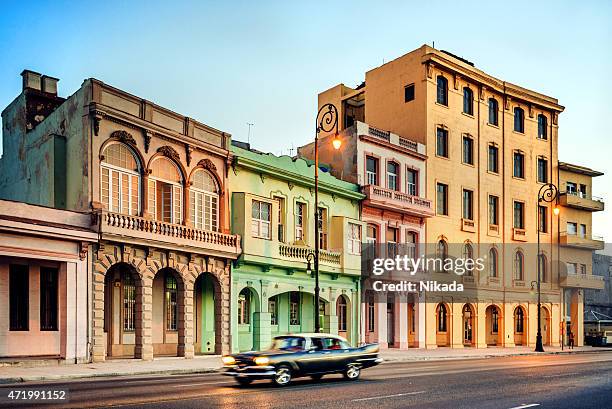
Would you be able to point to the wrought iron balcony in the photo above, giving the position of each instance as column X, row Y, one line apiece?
column 139, row 230
column 381, row 197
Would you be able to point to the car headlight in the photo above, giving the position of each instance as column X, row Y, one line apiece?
column 262, row 360
column 228, row 360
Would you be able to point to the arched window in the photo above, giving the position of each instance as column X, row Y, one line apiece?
column 493, row 262
column 519, row 320
column 244, row 306
column 166, row 191
column 468, row 101
column 441, row 318
column 442, row 253
column 442, row 90
column 204, row 201
column 493, row 111
column 542, row 127
column 519, row 120
column 341, row 312
column 518, row 265
column 543, row 272
column 120, row 180
column 468, row 254
column 171, row 297
column 494, row 320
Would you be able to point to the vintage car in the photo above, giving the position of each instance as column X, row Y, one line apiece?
column 296, row 355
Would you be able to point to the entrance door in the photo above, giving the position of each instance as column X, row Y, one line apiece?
column 390, row 324
column 467, row 325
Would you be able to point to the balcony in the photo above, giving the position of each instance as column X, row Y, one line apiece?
column 578, row 241
column 299, row 253
column 138, row 230
column 388, row 199
column 580, row 201
column 589, row 281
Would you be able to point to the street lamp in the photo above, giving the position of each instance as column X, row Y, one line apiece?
column 326, row 121
column 547, row 194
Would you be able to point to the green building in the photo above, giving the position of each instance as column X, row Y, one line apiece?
column 272, row 207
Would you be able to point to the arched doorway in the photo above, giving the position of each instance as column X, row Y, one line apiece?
column 494, row 331
column 207, row 313
column 167, row 310
column 468, row 325
column 442, row 325
column 343, row 313
column 247, row 304
column 545, row 317
column 520, row 327
column 122, row 297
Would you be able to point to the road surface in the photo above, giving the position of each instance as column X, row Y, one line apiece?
column 545, row 381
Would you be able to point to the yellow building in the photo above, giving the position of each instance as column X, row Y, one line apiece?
column 490, row 147
column 577, row 242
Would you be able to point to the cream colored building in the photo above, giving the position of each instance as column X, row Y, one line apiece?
column 577, row 242
column 491, row 145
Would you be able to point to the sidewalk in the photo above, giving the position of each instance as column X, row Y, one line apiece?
column 204, row 364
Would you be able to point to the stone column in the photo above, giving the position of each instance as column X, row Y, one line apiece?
column 185, row 321
column 380, row 310
column 456, row 325
column 98, row 352
column 419, row 317
column 144, row 319
column 330, row 319
column 576, row 317
column 480, row 325
column 401, row 321
column 508, row 329
column 262, row 330
column 431, row 341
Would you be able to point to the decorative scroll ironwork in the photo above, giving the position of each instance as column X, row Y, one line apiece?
column 327, row 118
column 548, row 193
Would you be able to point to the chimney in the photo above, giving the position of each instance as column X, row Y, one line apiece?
column 31, row 80
column 49, row 85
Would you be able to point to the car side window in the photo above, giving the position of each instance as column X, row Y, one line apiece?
column 344, row 345
column 317, row 343
column 331, row 343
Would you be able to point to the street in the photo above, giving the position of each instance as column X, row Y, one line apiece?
column 547, row 381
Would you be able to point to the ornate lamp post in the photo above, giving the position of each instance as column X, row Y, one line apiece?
column 326, row 121
column 547, row 194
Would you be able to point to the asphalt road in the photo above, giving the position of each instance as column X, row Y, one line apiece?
column 546, row 381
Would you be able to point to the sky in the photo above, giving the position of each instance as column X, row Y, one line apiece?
column 229, row 63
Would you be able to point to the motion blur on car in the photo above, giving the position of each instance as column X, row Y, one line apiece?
column 299, row 355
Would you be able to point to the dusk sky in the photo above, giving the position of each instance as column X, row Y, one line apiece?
column 226, row 64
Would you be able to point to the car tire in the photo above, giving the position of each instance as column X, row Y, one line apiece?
column 316, row 377
column 244, row 381
column 352, row 372
column 282, row 377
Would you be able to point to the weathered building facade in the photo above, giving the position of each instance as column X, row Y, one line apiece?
column 155, row 184
column 391, row 173
column 272, row 210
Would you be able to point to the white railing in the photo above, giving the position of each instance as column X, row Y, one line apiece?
column 300, row 253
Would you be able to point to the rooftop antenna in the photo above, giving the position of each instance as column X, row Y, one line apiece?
column 249, row 124
column 433, row 44
column 291, row 150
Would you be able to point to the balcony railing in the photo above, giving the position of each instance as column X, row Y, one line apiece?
column 300, row 253
column 582, row 201
column 391, row 199
column 590, row 281
column 171, row 234
column 581, row 241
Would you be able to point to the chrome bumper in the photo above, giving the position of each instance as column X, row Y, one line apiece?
column 247, row 371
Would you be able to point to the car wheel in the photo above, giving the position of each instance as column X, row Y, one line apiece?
column 316, row 377
column 352, row 372
column 282, row 377
column 244, row 381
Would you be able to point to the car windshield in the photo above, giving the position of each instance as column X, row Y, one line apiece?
column 288, row 343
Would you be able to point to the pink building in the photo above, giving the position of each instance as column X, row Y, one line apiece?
column 391, row 171
column 45, row 283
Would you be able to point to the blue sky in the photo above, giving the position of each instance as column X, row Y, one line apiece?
column 229, row 63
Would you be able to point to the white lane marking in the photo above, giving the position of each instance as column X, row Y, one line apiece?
column 560, row 374
column 388, row 396
column 200, row 384
column 530, row 405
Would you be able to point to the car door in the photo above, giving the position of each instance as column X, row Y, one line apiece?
column 310, row 361
column 333, row 355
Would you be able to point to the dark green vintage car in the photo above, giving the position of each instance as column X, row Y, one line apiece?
column 298, row 355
